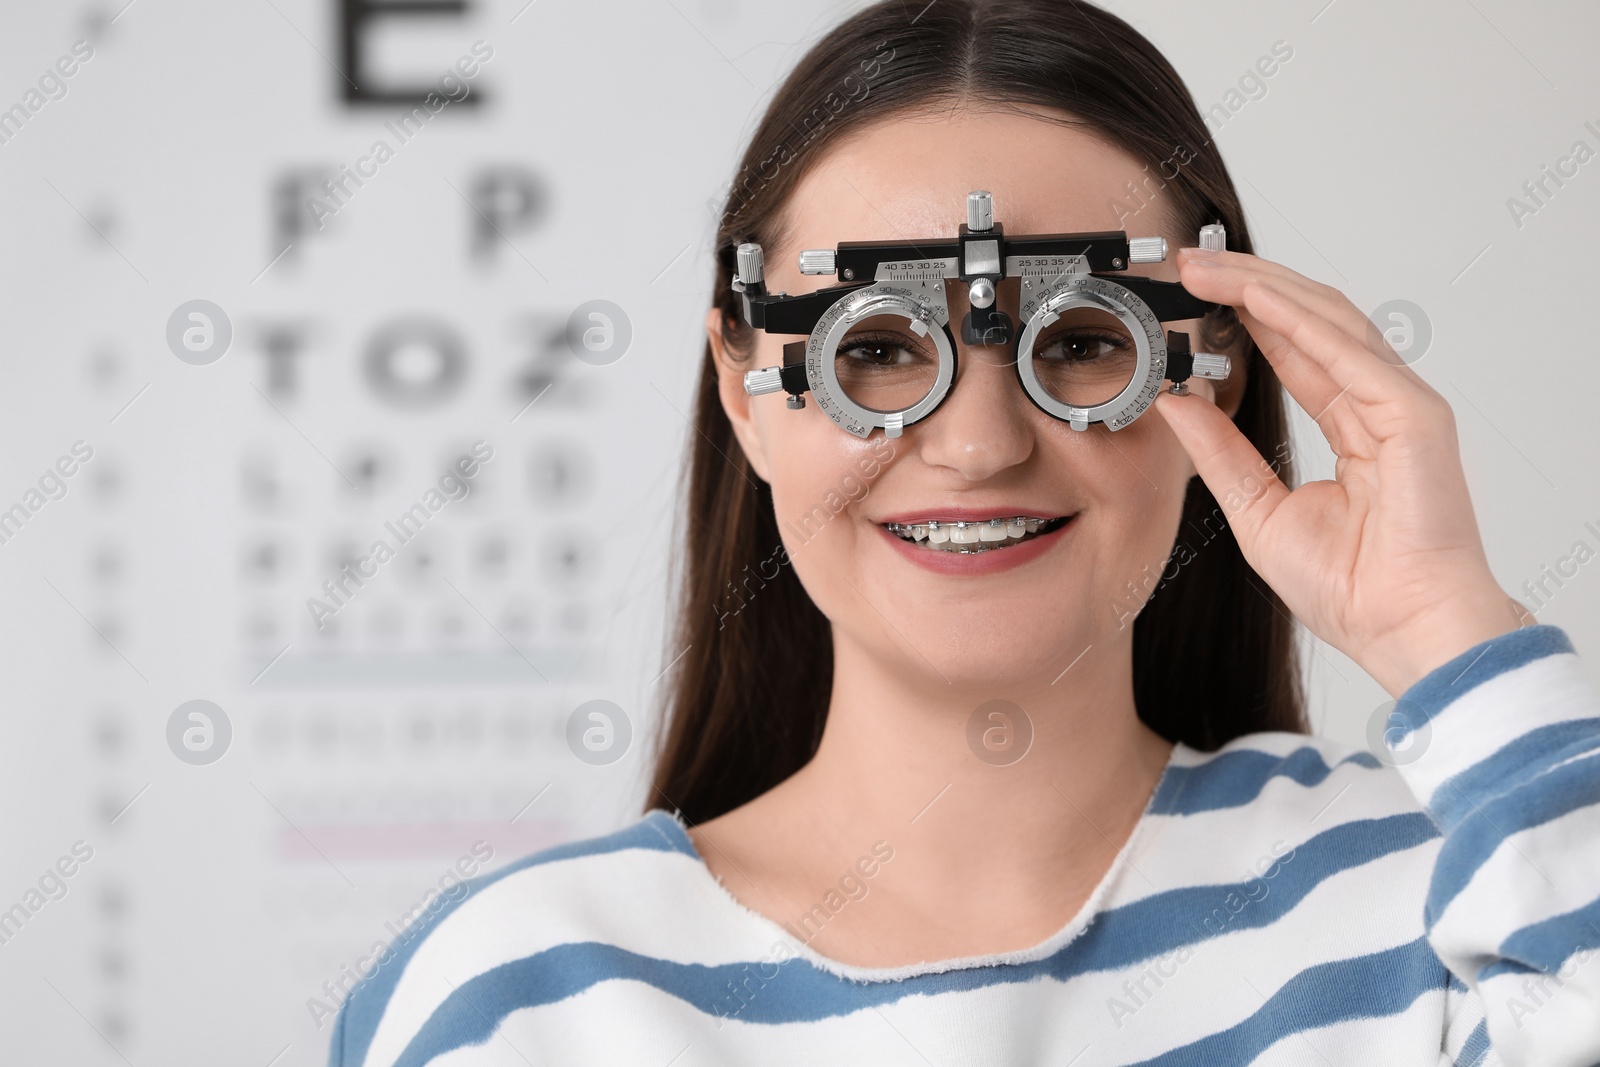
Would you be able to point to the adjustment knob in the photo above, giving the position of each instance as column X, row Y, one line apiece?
column 751, row 263
column 981, row 293
column 1214, row 237
column 763, row 381
column 1212, row 366
column 980, row 210
column 818, row 261
column 1147, row 250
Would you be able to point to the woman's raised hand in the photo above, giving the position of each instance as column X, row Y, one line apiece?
column 1384, row 562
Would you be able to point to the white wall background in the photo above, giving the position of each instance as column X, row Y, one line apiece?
column 368, row 758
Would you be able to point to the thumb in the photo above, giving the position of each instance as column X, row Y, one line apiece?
column 1237, row 475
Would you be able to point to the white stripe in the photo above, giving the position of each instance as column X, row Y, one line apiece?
column 1553, row 1028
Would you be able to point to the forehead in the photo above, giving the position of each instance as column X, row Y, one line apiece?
column 907, row 176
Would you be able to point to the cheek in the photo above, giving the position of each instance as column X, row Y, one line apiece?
column 820, row 475
column 1140, row 476
column 1163, row 466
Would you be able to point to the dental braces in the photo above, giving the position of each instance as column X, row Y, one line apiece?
column 1016, row 527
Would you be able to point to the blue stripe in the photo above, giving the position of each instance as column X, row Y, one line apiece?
column 1543, row 947
column 364, row 1007
column 787, row 992
column 1516, row 763
column 1476, row 1046
column 797, row 991
column 1365, row 987
column 1443, row 686
column 1553, row 794
column 1234, row 779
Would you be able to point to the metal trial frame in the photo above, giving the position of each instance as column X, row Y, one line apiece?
column 1057, row 271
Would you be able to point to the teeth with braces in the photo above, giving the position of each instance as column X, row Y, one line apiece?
column 969, row 537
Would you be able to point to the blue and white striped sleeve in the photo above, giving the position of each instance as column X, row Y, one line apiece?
column 1502, row 746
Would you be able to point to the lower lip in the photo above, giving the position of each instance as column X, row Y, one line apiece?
column 990, row 562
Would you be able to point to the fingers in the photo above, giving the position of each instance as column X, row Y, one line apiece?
column 1348, row 362
column 1311, row 386
column 1222, row 277
column 1237, row 475
column 1306, row 381
column 1226, row 273
column 1325, row 352
column 1301, row 318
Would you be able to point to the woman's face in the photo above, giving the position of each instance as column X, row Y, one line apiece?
column 1010, row 616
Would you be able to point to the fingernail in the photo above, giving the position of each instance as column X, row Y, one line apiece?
column 1199, row 255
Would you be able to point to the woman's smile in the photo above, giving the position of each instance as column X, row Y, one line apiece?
column 974, row 541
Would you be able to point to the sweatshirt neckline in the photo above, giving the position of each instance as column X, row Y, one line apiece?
column 673, row 824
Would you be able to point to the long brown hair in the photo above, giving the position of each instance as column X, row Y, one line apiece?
column 1214, row 654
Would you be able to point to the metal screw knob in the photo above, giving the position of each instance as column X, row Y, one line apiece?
column 1147, row 249
column 1212, row 366
column 763, row 381
column 751, row 263
column 1214, row 237
column 818, row 261
column 980, row 210
column 981, row 293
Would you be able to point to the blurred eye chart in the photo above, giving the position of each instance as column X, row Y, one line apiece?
column 347, row 354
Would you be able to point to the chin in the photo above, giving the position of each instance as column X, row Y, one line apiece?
column 1001, row 649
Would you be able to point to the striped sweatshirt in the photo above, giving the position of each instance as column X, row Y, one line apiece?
column 1280, row 901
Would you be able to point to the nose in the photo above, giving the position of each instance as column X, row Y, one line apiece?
column 982, row 427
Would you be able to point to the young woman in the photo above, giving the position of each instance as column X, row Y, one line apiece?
column 1045, row 795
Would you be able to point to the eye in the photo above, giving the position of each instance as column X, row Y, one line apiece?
column 883, row 366
column 879, row 350
column 1083, row 346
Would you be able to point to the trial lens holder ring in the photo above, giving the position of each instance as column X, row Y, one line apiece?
column 920, row 302
column 1087, row 290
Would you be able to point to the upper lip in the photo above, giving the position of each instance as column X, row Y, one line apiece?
column 949, row 514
